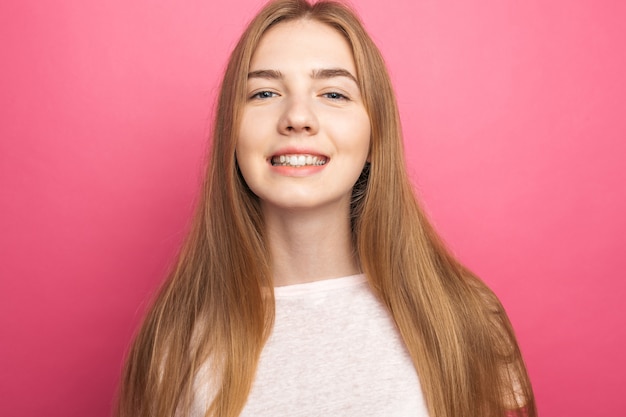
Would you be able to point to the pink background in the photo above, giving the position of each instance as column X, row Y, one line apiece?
column 514, row 116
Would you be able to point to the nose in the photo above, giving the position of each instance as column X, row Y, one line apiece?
column 298, row 117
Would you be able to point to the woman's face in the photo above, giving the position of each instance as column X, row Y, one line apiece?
column 305, row 134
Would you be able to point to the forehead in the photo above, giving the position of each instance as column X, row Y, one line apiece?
column 302, row 43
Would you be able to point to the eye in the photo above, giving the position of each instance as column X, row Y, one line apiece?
column 261, row 95
column 333, row 95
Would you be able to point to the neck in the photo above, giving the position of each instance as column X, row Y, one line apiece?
column 306, row 246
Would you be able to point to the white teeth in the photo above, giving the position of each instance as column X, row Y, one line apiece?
column 298, row 160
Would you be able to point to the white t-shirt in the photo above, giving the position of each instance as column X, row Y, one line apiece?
column 334, row 351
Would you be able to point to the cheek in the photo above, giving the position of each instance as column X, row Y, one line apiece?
column 247, row 143
column 243, row 156
column 245, row 162
column 247, row 169
column 357, row 133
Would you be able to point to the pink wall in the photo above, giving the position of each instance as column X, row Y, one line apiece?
column 514, row 115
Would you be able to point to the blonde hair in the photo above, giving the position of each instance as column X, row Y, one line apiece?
column 217, row 307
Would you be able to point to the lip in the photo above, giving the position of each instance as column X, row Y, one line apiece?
column 303, row 171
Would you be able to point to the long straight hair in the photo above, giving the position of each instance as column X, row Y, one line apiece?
column 216, row 309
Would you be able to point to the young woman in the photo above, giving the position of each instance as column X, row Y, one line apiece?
column 311, row 283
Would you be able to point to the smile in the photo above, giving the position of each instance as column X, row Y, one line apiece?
column 298, row 160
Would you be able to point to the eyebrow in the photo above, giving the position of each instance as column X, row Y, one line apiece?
column 267, row 74
column 316, row 74
column 322, row 74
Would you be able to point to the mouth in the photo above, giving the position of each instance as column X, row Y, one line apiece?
column 298, row 160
